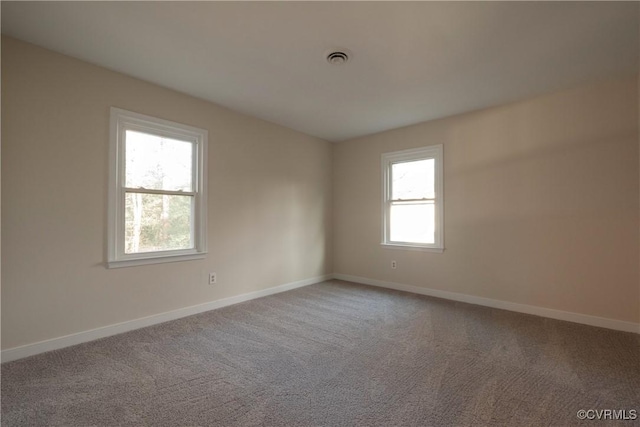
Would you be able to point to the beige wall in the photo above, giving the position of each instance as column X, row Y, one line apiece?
column 269, row 201
column 541, row 203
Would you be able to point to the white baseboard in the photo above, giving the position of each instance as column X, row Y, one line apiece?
column 106, row 331
column 619, row 325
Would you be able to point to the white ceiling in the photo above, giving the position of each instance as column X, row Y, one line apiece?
column 412, row 61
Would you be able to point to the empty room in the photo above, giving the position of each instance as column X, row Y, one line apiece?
column 320, row 213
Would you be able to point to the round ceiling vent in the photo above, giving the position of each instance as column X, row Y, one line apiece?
column 338, row 57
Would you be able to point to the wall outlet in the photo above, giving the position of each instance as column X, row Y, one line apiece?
column 394, row 265
column 213, row 278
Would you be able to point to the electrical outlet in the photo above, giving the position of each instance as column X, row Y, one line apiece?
column 212, row 278
column 394, row 265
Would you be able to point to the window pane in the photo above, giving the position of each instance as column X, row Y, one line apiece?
column 413, row 180
column 413, row 222
column 157, row 163
column 157, row 222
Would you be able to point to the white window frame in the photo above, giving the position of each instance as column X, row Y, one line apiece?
column 121, row 121
column 388, row 159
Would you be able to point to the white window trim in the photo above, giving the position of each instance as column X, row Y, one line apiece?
column 122, row 120
column 430, row 152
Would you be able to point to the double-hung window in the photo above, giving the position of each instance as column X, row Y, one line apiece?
column 157, row 190
column 413, row 198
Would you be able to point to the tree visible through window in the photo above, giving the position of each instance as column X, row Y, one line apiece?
column 413, row 198
column 156, row 202
column 157, row 221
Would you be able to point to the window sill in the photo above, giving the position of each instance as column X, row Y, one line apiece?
column 411, row 247
column 132, row 262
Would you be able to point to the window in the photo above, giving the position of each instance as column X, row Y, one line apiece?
column 157, row 191
column 413, row 198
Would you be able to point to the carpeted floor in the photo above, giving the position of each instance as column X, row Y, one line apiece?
column 333, row 354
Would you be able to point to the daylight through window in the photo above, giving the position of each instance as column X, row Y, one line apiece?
column 413, row 202
column 157, row 207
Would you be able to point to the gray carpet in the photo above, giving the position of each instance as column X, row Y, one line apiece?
column 333, row 354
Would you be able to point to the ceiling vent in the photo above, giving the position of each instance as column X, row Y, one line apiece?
column 338, row 57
